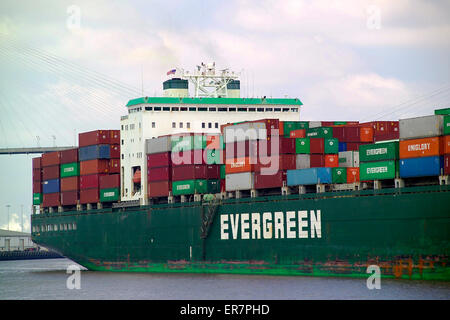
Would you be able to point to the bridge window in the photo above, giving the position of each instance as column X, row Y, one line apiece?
column 194, row 109
column 166, row 108
column 202, row 109
column 174, row 125
column 260, row 109
column 277, row 109
column 188, row 125
column 181, row 124
column 251, row 109
column 157, row 108
column 231, row 109
column 222, row 109
column 269, row 109
column 209, row 125
column 285, row 109
column 217, row 125
column 153, row 124
column 203, row 125
column 212, row 109
column 242, row 109
column 175, row 109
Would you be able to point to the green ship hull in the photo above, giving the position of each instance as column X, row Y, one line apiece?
column 403, row 231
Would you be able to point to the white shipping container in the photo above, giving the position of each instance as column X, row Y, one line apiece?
column 239, row 181
column 349, row 159
column 421, row 127
column 315, row 124
column 302, row 161
column 158, row 145
column 245, row 131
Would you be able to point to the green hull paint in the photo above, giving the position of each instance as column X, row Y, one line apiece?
column 404, row 231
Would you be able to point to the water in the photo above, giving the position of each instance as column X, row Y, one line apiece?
column 46, row 279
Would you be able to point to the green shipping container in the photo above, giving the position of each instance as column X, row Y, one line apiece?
column 37, row 199
column 339, row 175
column 111, row 194
column 222, row 171
column 213, row 186
column 302, row 145
column 378, row 151
column 331, row 146
column 186, row 143
column 213, row 156
column 340, row 123
column 70, row 169
column 320, row 132
column 378, row 170
column 189, row 187
column 289, row 126
column 447, row 125
column 444, row 111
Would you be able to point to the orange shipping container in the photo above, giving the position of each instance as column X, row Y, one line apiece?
column 300, row 133
column 446, row 144
column 94, row 167
column 281, row 128
column 331, row 160
column 366, row 134
column 352, row 175
column 415, row 148
column 238, row 165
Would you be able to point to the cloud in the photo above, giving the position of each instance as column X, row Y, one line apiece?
column 15, row 222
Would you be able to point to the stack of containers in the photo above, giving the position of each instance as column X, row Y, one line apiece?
column 110, row 183
column 37, row 181
column 378, row 161
column 215, row 154
column 97, row 149
column 323, row 147
column 383, row 130
column 50, row 177
column 244, row 146
column 159, row 166
column 70, row 177
column 446, row 144
column 422, row 146
column 351, row 136
column 190, row 172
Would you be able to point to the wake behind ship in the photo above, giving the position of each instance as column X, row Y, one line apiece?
column 218, row 183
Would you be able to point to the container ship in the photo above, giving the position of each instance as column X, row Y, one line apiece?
column 216, row 183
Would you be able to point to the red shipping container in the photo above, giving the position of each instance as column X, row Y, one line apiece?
column 272, row 126
column 94, row 166
column 37, row 175
column 354, row 146
column 213, row 171
column 278, row 163
column 339, row 133
column 387, row 136
column 36, row 163
column 70, row 183
column 299, row 133
column 366, row 134
column 352, row 175
column 156, row 160
column 241, row 149
column 327, row 123
column 114, row 151
column 114, row 136
column 114, row 166
column 94, row 137
column 51, row 199
column 351, row 134
column 110, row 181
column 69, row 156
column 316, row 145
column 51, row 159
column 189, row 172
column 90, row 196
column 316, row 160
column 189, row 157
column 49, row 173
column 159, row 189
column 287, row 145
column 90, row 181
column 70, row 198
column 447, row 164
column 37, row 187
column 263, row 181
column 160, row 174
column 331, row 160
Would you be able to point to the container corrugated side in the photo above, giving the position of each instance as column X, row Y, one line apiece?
column 158, row 145
column 109, row 195
column 421, row 127
column 348, row 159
column 37, row 199
column 378, row 170
column 421, row 167
column 379, row 151
column 308, row 176
column 70, row 169
column 101, row 151
column 185, row 187
column 424, row 147
column 239, row 181
column 302, row 161
column 50, row 186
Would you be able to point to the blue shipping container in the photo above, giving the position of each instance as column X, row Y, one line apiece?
column 308, row 176
column 50, row 186
column 99, row 151
column 421, row 167
column 342, row 146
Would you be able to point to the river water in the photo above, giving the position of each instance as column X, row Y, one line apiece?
column 47, row 279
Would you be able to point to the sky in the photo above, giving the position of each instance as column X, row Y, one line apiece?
column 71, row 66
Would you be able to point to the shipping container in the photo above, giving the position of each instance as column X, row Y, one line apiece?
column 214, row 156
column 36, row 163
column 185, row 187
column 352, row 175
column 321, row 132
column 162, row 173
column 114, row 166
column 240, row 181
column 159, row 189
column 51, row 199
column 189, row 157
column 316, row 145
column 51, row 159
column 70, row 184
column 69, row 156
column 314, row 124
column 366, row 134
column 70, row 169
column 198, row 171
column 238, row 165
column 302, row 161
column 351, row 134
column 331, row 160
column 446, row 130
column 222, row 172
column 275, row 163
column 94, row 167
column 421, row 167
column 378, row 170
column 158, row 145
column 155, row 160
column 263, row 181
column 37, row 187
column 50, row 186
column 443, row 111
column 109, row 181
column 89, row 196
column 425, row 147
column 37, row 198
column 244, row 131
column 90, row 181
column 446, row 144
column 331, row 146
column 94, row 137
column 339, row 175
column 309, row 176
column 316, row 160
column 348, row 159
column 187, row 143
column 213, row 186
column 215, row 142
column 109, row 194
column 447, row 164
column 289, row 126
column 114, row 137
column 101, row 151
column 421, row 127
column 379, row 151
column 51, row 172
column 300, row 133
column 70, row 198
column 339, row 133
column 114, row 151
column 37, row 175
column 241, row 149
